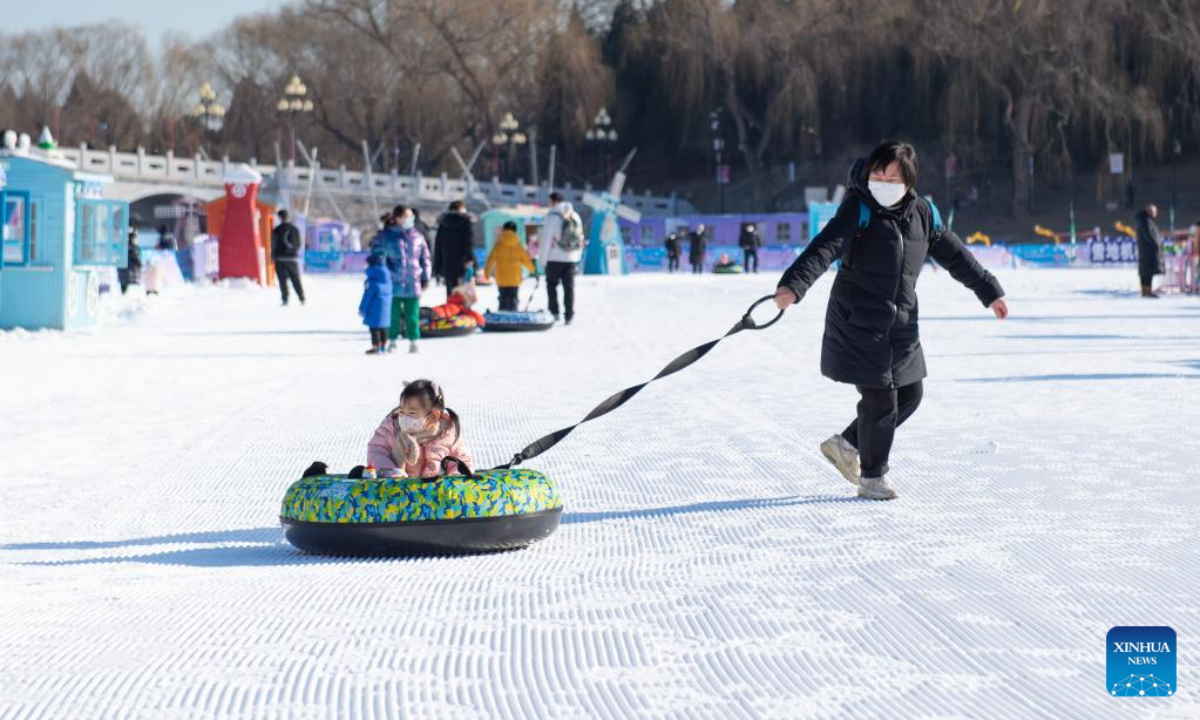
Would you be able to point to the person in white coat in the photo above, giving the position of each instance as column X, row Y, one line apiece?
column 562, row 243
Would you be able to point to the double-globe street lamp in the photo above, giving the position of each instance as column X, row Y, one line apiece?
column 295, row 100
column 604, row 137
column 509, row 134
column 208, row 111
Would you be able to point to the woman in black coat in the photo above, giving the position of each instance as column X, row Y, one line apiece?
column 749, row 242
column 455, row 247
column 131, row 274
column 882, row 233
column 697, row 248
column 1150, row 251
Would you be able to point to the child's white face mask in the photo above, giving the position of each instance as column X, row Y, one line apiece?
column 411, row 425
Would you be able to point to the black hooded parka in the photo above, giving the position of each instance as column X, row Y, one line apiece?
column 871, row 334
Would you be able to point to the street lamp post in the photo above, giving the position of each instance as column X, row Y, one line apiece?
column 509, row 135
column 718, row 146
column 1176, row 152
column 208, row 111
column 604, row 137
column 295, row 100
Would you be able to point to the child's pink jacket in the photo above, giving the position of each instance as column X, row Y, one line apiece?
column 384, row 448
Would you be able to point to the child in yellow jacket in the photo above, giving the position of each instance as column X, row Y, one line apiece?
column 504, row 263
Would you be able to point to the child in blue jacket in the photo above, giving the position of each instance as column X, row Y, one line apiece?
column 376, row 305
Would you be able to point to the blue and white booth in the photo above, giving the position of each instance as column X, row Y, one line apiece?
column 61, row 239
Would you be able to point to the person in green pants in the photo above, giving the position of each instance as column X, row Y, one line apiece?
column 406, row 255
column 406, row 314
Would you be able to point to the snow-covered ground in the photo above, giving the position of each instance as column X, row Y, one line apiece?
column 710, row 564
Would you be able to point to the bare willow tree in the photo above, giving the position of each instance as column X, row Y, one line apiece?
column 573, row 83
column 487, row 53
column 762, row 61
column 42, row 68
column 1050, row 64
column 172, row 90
column 117, row 58
column 1175, row 25
column 1009, row 85
column 87, row 82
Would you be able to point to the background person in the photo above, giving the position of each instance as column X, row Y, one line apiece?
column 750, row 242
column 454, row 250
column 504, row 263
column 563, row 240
column 697, row 249
column 286, row 246
column 131, row 274
column 406, row 255
column 672, row 246
column 1150, row 250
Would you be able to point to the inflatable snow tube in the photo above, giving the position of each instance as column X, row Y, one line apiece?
column 491, row 510
column 448, row 327
column 727, row 269
column 506, row 321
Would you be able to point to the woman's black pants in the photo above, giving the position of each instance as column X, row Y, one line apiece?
column 880, row 412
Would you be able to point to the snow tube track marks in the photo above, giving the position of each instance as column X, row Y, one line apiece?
column 494, row 510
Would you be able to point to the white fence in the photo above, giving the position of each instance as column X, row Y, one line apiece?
column 140, row 167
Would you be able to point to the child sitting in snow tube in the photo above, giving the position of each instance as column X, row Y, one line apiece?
column 455, row 317
column 417, row 435
column 422, row 497
column 726, row 266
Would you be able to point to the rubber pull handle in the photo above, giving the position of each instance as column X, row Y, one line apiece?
column 748, row 321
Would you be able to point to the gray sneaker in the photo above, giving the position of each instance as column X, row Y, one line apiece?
column 876, row 489
column 843, row 456
column 412, row 347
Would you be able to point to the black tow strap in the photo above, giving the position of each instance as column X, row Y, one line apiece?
column 542, row 444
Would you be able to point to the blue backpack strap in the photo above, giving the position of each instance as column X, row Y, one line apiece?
column 937, row 216
column 864, row 215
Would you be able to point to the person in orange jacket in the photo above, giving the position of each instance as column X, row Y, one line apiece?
column 504, row 263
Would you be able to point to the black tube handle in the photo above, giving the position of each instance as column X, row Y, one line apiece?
column 464, row 469
column 748, row 321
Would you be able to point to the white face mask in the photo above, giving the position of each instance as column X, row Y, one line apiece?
column 408, row 223
column 886, row 194
column 411, row 425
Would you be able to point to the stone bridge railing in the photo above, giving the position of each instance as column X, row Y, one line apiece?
column 141, row 167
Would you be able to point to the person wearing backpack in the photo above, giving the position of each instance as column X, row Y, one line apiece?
column 882, row 233
column 560, row 253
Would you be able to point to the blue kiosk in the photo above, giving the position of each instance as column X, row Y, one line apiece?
column 60, row 239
